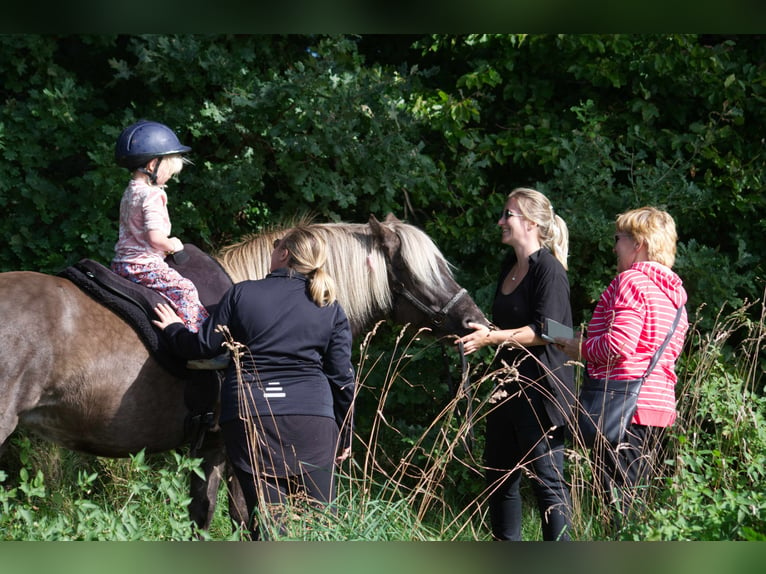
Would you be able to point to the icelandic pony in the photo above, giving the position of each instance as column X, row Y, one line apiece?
column 76, row 374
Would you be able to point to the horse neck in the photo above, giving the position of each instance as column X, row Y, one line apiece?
column 359, row 270
column 354, row 262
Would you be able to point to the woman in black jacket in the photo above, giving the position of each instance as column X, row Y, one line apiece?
column 287, row 420
column 529, row 418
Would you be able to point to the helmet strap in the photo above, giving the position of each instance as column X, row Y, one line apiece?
column 152, row 174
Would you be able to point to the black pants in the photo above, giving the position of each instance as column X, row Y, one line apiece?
column 626, row 473
column 518, row 445
column 312, row 483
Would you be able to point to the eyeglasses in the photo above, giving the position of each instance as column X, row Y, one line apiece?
column 618, row 236
column 507, row 214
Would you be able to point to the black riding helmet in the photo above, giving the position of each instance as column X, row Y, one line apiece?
column 143, row 141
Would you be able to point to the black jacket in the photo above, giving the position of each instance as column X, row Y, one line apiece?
column 297, row 359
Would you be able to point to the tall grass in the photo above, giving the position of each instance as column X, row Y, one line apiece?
column 423, row 480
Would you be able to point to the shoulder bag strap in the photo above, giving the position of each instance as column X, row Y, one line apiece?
column 659, row 351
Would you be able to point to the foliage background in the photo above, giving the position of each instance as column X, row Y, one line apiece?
column 436, row 129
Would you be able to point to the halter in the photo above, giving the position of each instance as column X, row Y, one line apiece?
column 436, row 317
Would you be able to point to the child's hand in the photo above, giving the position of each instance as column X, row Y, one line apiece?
column 176, row 244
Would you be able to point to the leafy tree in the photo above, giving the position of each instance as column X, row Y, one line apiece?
column 603, row 124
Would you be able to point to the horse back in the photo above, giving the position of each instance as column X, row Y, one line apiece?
column 75, row 373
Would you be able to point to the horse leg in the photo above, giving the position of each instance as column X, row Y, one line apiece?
column 6, row 429
column 204, row 491
column 237, row 505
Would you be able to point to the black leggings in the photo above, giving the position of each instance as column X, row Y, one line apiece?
column 517, row 444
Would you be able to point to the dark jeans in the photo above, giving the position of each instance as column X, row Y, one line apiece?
column 625, row 474
column 313, row 483
column 514, row 448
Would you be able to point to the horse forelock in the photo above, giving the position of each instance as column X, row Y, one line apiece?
column 421, row 255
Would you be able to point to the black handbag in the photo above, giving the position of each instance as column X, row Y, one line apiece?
column 606, row 407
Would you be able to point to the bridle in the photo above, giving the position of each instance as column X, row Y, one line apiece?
column 436, row 317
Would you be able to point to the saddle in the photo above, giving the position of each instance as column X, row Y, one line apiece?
column 135, row 304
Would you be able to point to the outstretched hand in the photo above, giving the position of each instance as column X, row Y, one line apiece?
column 166, row 316
column 476, row 340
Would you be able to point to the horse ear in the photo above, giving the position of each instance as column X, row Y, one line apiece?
column 391, row 218
column 387, row 239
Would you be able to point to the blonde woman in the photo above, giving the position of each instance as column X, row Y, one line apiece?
column 526, row 429
column 631, row 319
column 298, row 378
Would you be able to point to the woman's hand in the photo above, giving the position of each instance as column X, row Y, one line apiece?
column 571, row 347
column 166, row 316
column 476, row 340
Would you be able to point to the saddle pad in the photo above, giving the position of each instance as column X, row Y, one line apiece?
column 135, row 303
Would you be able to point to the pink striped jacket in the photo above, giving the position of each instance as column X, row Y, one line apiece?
column 629, row 323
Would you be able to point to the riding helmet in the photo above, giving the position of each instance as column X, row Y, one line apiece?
column 144, row 140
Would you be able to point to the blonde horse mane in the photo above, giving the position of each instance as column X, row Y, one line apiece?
column 355, row 260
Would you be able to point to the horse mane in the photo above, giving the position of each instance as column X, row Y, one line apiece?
column 355, row 261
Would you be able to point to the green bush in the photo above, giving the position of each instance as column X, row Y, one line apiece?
column 111, row 500
column 716, row 489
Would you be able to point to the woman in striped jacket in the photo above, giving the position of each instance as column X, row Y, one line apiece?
column 630, row 322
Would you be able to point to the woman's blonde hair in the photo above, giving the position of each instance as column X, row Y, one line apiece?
column 308, row 255
column 654, row 227
column 553, row 230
